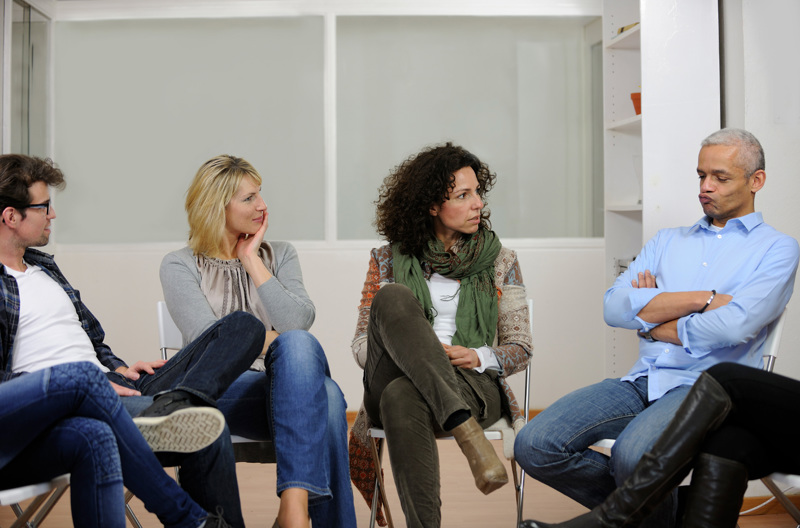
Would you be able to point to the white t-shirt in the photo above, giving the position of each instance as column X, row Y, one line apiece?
column 444, row 297
column 49, row 331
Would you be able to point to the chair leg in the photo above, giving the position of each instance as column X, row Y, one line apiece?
column 785, row 502
column 45, row 510
column 129, row 512
column 380, row 489
column 24, row 515
column 519, row 488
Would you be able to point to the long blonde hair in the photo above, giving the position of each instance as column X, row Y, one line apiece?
column 211, row 191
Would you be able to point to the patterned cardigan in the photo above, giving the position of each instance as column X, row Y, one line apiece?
column 512, row 347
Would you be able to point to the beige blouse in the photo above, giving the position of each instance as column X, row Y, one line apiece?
column 228, row 288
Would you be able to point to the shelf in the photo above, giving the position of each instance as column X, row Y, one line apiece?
column 624, row 208
column 631, row 125
column 630, row 39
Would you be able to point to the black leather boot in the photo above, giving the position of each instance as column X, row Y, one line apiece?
column 664, row 466
column 716, row 493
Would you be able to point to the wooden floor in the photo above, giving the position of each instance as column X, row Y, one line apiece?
column 463, row 505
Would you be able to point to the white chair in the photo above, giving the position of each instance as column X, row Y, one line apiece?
column 770, row 347
column 775, row 481
column 503, row 430
column 45, row 495
column 245, row 449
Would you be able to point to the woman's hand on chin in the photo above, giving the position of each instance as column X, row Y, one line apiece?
column 247, row 252
column 247, row 245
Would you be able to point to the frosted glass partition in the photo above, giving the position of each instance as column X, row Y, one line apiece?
column 141, row 104
column 512, row 90
column 29, row 80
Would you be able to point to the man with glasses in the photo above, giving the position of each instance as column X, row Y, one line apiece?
column 697, row 296
column 44, row 323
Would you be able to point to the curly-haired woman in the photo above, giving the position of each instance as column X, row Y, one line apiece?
column 442, row 322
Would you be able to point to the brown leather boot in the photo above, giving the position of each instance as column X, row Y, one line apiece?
column 488, row 470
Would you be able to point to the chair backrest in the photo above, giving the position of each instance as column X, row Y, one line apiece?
column 773, row 342
column 169, row 337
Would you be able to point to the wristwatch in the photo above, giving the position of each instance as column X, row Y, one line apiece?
column 647, row 336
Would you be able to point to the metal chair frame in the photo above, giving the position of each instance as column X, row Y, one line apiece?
column 45, row 494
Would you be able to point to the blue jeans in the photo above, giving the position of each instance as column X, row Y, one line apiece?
column 296, row 403
column 554, row 446
column 68, row 419
column 206, row 367
column 208, row 475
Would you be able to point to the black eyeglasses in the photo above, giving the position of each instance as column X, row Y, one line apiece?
column 45, row 206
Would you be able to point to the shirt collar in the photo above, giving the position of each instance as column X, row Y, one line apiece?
column 32, row 257
column 748, row 222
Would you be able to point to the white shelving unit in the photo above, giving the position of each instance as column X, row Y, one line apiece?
column 622, row 75
column 672, row 58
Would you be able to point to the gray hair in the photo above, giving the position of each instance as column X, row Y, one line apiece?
column 751, row 154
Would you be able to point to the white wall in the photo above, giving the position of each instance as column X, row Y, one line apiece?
column 120, row 286
column 764, row 98
column 762, row 94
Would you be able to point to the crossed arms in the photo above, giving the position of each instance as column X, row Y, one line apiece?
column 666, row 308
column 670, row 281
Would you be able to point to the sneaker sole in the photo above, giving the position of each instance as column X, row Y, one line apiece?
column 183, row 431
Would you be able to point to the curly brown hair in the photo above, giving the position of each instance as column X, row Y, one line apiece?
column 407, row 194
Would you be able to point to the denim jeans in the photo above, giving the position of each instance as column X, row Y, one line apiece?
column 68, row 419
column 296, row 403
column 208, row 365
column 205, row 368
column 208, row 475
column 554, row 446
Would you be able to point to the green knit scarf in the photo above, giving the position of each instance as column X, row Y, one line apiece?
column 473, row 265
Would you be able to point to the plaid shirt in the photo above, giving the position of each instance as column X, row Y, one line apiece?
column 9, row 314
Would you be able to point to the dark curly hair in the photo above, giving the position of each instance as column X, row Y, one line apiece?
column 407, row 194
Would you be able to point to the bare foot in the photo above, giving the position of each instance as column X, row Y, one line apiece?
column 293, row 512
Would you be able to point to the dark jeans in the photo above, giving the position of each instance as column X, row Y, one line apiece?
column 206, row 367
column 762, row 426
column 68, row 419
column 410, row 388
column 208, row 475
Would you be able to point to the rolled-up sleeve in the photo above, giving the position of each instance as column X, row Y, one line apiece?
column 758, row 302
column 622, row 302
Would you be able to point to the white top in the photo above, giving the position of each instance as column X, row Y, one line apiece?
column 444, row 297
column 49, row 331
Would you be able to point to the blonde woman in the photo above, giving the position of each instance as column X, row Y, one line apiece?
column 287, row 395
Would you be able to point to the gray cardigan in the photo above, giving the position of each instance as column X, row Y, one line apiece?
column 283, row 296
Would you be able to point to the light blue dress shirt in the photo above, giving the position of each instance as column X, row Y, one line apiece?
column 747, row 259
